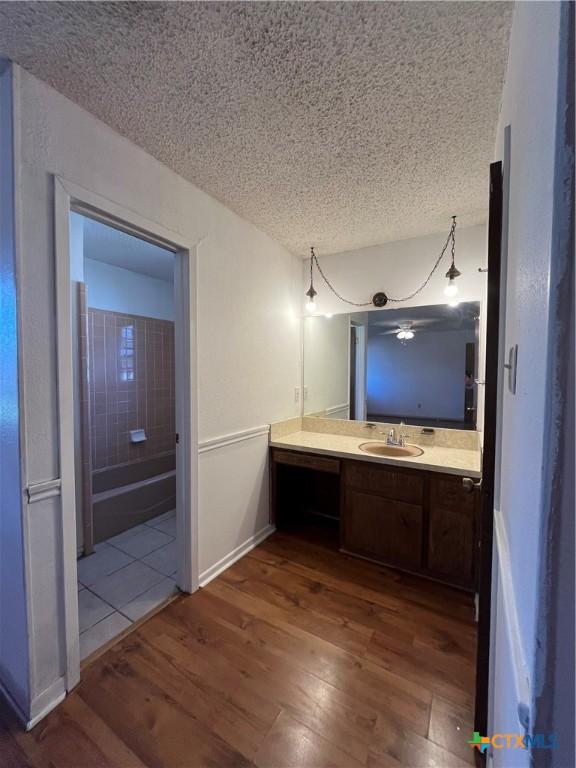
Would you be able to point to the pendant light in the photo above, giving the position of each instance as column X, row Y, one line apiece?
column 311, row 293
column 451, row 290
column 381, row 299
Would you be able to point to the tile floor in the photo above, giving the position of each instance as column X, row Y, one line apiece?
column 125, row 578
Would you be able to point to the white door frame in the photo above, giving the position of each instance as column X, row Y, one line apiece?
column 71, row 197
column 360, row 372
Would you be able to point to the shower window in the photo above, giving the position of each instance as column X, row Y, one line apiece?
column 127, row 353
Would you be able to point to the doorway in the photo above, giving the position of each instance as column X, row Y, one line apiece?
column 357, row 370
column 127, row 412
column 124, row 427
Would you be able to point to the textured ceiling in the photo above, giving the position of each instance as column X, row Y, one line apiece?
column 104, row 243
column 338, row 124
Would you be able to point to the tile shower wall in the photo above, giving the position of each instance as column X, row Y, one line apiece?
column 131, row 382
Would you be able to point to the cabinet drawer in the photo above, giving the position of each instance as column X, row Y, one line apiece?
column 448, row 493
column 307, row 461
column 382, row 529
column 394, row 484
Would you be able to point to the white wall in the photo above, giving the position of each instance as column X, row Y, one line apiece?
column 115, row 288
column 326, row 365
column 529, row 107
column 248, row 339
column 122, row 290
column 398, row 268
column 14, row 662
column 422, row 378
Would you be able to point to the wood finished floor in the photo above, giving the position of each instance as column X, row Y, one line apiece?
column 295, row 657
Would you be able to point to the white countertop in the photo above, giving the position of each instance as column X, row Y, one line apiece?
column 452, row 461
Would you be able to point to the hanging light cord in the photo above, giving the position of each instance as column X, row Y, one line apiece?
column 449, row 239
column 314, row 260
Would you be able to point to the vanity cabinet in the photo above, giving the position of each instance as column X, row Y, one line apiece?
column 417, row 520
column 382, row 529
column 453, row 535
column 420, row 521
column 382, row 514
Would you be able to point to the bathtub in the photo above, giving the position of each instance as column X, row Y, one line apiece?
column 129, row 494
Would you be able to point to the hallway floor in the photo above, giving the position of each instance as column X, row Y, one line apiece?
column 127, row 577
column 296, row 656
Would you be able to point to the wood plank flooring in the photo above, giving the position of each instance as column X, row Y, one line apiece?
column 296, row 656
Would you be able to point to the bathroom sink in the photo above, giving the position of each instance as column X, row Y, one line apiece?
column 395, row 451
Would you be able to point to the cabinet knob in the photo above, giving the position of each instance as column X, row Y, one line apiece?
column 470, row 486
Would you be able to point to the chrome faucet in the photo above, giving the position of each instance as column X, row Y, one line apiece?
column 394, row 439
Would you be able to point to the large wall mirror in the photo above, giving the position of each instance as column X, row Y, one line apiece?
column 418, row 365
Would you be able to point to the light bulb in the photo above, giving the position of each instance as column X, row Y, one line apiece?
column 409, row 335
column 451, row 289
column 311, row 306
column 401, row 335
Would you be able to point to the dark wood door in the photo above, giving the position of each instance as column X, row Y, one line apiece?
column 489, row 451
column 387, row 530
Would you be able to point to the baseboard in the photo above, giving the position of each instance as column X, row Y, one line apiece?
column 216, row 569
column 42, row 705
column 45, row 702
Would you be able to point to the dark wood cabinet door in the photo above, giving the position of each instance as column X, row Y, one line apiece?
column 382, row 529
column 452, row 545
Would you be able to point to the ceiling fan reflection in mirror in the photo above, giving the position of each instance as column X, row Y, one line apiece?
column 405, row 330
column 405, row 333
